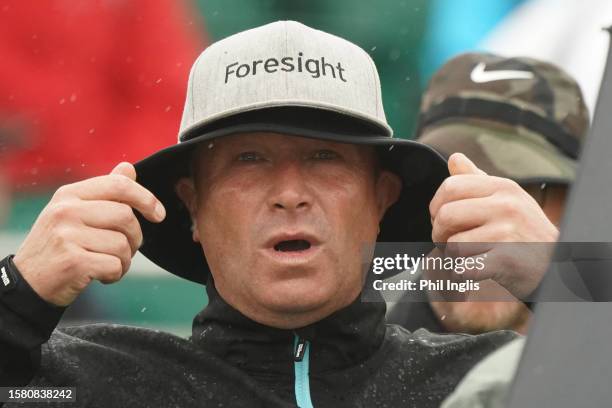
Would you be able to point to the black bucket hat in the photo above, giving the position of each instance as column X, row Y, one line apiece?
column 310, row 84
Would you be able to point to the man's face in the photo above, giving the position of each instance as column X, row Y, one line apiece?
column 282, row 221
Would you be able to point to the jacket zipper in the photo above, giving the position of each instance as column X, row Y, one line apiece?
column 301, row 360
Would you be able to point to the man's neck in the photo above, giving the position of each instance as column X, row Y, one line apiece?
column 340, row 340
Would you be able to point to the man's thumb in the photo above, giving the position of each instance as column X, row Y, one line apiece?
column 458, row 163
column 125, row 169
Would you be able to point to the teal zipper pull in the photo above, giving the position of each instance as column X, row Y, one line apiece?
column 301, row 363
column 300, row 349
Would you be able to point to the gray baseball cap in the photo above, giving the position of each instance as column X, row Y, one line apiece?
column 285, row 78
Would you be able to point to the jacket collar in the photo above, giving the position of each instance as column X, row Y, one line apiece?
column 345, row 338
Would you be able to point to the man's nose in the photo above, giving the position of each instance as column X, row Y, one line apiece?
column 290, row 188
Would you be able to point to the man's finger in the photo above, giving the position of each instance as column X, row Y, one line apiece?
column 458, row 163
column 461, row 187
column 103, row 267
column 111, row 215
column 119, row 188
column 125, row 169
column 106, row 242
column 457, row 216
column 476, row 274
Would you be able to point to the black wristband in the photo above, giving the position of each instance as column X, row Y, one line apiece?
column 19, row 297
column 8, row 277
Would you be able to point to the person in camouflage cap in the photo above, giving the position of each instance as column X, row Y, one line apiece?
column 518, row 118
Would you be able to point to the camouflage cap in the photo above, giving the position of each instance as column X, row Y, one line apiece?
column 506, row 114
column 502, row 150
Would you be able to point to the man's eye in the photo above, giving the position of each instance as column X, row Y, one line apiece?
column 249, row 156
column 325, row 155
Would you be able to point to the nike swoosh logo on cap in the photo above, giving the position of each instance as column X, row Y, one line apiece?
column 479, row 75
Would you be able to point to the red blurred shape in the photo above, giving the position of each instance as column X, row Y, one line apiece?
column 93, row 82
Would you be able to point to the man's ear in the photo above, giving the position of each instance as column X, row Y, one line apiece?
column 388, row 188
column 186, row 191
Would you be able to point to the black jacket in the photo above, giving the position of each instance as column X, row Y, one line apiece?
column 349, row 359
column 415, row 315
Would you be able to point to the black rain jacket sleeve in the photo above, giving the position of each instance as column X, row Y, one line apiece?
column 26, row 322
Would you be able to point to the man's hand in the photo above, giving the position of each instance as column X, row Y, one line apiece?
column 472, row 207
column 87, row 231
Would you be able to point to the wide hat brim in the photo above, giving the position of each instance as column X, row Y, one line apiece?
column 169, row 244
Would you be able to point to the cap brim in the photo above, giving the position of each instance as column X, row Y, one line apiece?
column 169, row 244
column 502, row 150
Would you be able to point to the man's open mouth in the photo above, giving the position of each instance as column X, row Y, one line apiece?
column 293, row 245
